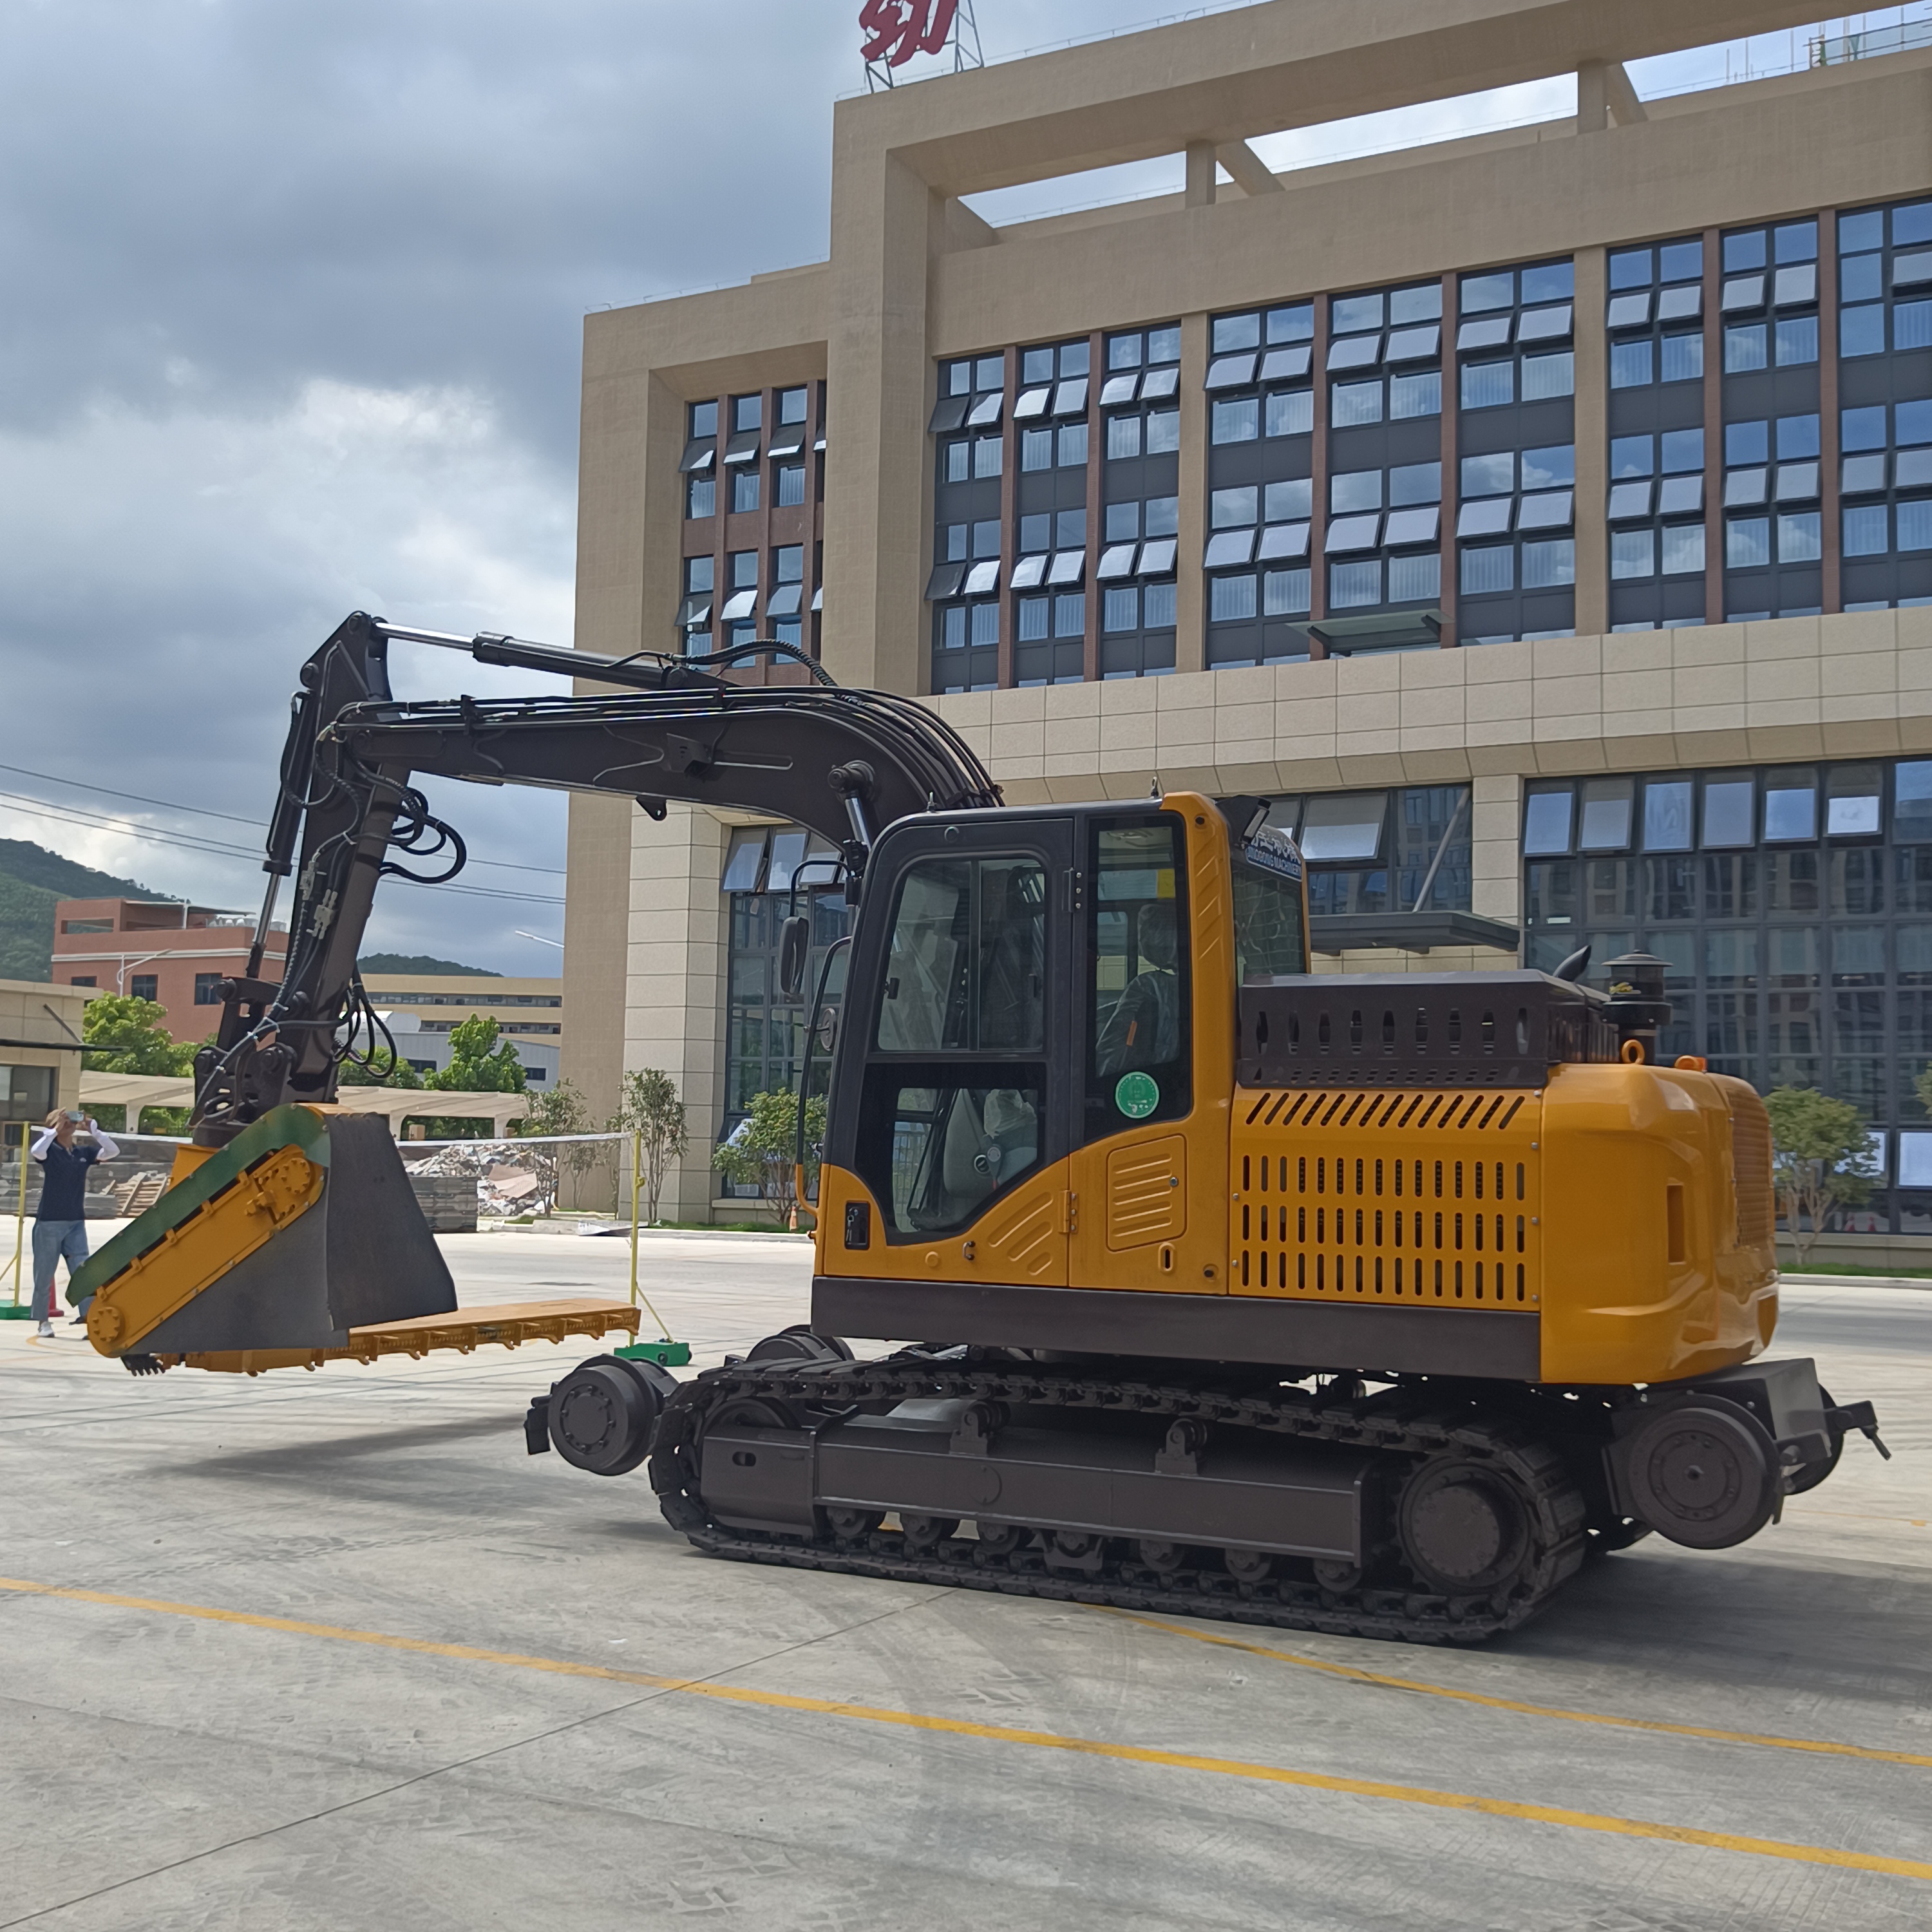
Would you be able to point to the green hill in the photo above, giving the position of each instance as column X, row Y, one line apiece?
column 32, row 881
column 419, row 962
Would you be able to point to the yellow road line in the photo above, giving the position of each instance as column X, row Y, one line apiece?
column 1264, row 1774
column 1359, row 1676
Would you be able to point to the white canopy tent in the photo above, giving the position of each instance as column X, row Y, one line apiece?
column 136, row 1090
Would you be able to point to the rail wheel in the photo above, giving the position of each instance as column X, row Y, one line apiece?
column 601, row 1416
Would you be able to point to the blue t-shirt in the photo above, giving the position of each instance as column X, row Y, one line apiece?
column 63, row 1191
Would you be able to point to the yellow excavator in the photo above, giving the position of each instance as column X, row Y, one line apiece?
column 1370, row 1304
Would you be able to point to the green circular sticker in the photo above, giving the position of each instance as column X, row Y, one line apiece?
column 1136, row 1095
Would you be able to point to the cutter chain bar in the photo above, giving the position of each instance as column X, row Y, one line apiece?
column 1409, row 1423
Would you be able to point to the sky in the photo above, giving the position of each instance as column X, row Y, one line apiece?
column 293, row 296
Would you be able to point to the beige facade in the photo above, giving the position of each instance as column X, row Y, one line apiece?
column 915, row 277
column 529, row 1009
column 40, row 1069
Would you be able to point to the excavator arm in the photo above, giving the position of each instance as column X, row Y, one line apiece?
column 845, row 763
column 289, row 1231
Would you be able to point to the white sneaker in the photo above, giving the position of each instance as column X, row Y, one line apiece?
column 46, row 1328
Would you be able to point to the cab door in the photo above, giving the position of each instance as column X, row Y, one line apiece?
column 955, row 1097
column 1147, row 1174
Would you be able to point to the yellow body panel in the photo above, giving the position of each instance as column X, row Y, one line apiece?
column 243, row 1217
column 1629, row 1207
column 1647, row 1285
column 1370, row 1196
column 1022, row 1237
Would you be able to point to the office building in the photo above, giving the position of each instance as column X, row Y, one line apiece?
column 1543, row 518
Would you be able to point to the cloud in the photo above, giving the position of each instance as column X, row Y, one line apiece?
column 164, row 578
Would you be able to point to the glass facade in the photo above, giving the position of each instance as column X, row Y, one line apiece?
column 1767, row 317
column 1261, row 409
column 1794, row 905
column 1516, row 551
column 754, row 477
column 764, row 1032
column 1137, row 552
column 1376, row 851
column 1386, row 468
column 1885, row 395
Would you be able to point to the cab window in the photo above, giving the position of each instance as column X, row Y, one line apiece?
column 955, row 1094
column 1268, row 937
column 1139, row 1037
column 966, row 964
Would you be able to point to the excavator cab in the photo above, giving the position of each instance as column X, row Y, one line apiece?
column 1032, row 1083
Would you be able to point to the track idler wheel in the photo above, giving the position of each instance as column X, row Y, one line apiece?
column 1463, row 1528
column 1704, row 1473
column 601, row 1416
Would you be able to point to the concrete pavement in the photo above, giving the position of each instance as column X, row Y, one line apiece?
column 335, row 1653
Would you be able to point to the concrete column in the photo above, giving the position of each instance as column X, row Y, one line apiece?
column 1190, row 596
column 879, row 390
column 1593, row 455
column 1200, row 190
column 1495, row 813
column 595, row 932
column 675, row 1003
column 1593, row 98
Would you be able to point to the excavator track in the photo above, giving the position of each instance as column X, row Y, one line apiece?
column 1408, row 1423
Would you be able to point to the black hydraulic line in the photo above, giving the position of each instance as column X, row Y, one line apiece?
column 845, row 763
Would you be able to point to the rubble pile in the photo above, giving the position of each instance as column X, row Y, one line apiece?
column 524, row 1182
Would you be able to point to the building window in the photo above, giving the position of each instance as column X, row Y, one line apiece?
column 144, row 985
column 1371, row 852
column 1794, row 906
column 791, row 485
column 701, row 496
column 1885, row 280
column 82, row 979
column 744, row 490
column 763, row 1031
column 208, row 989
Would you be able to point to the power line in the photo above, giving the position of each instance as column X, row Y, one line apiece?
column 206, row 811
column 139, row 797
column 72, row 815
column 188, row 842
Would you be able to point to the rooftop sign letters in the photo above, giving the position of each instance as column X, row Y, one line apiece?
column 895, row 30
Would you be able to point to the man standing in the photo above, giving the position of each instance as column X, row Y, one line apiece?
column 60, row 1222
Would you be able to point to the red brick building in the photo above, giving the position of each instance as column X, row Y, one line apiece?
column 158, row 950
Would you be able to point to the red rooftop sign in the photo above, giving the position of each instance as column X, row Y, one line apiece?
column 895, row 30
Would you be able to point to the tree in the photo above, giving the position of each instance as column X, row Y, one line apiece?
column 559, row 1110
column 386, row 1072
column 1821, row 1159
column 650, row 1109
column 762, row 1150
column 478, row 1064
column 125, row 1035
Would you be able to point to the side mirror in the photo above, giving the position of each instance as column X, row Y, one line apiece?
column 794, row 950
